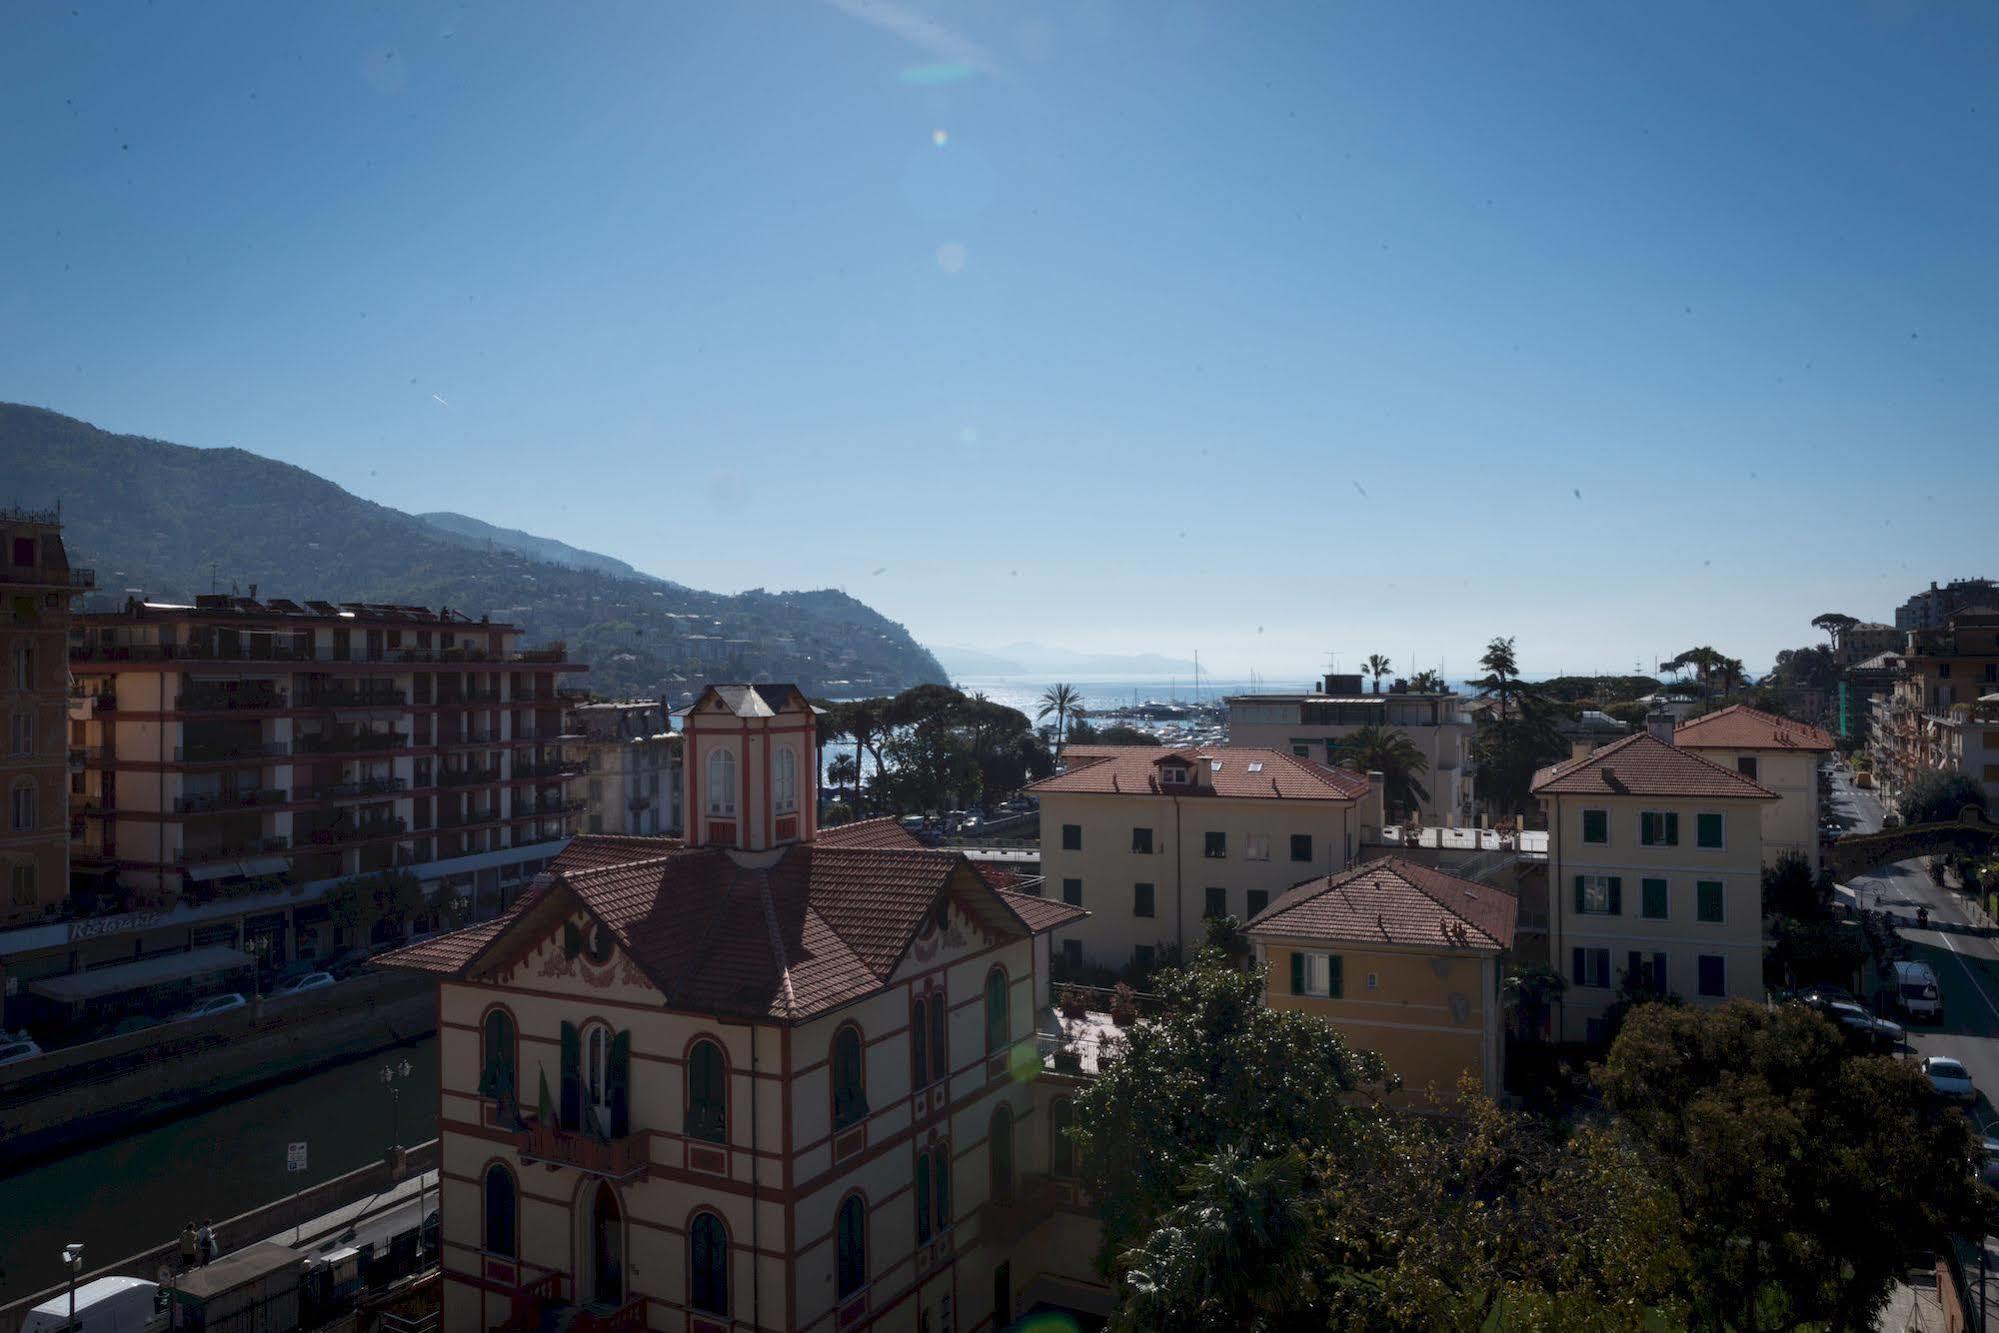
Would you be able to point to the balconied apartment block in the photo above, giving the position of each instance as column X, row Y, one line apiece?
column 633, row 757
column 1930, row 719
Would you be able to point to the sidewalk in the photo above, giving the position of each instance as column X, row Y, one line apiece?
column 1915, row 1306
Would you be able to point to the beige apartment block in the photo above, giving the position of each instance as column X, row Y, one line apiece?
column 1776, row 752
column 1152, row 840
column 1943, row 675
column 631, row 755
column 1656, row 872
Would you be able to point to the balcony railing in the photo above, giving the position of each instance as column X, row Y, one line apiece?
column 57, row 578
column 561, row 768
column 468, row 777
column 347, row 791
column 335, row 834
column 199, row 754
column 619, row 1158
column 209, row 701
column 468, row 820
column 229, row 800
column 355, row 743
column 627, row 1318
column 355, row 696
column 546, row 809
column 103, row 700
column 230, row 851
column 469, row 698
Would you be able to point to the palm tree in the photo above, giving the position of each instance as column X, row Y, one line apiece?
column 1065, row 703
column 1390, row 753
column 1426, row 681
column 1378, row 666
column 844, row 772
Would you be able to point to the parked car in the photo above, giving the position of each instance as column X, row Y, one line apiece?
column 1951, row 1079
column 1879, row 1033
column 1917, row 992
column 212, row 1004
column 13, row 1050
column 301, row 983
column 1823, row 994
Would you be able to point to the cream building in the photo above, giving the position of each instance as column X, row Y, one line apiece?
column 755, row 1080
column 1655, row 864
column 1404, row 960
column 38, row 769
column 1152, row 840
column 1777, row 753
column 632, row 757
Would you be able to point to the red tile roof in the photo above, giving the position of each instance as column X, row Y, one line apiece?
column 1132, row 770
column 1643, row 765
column 1740, row 727
column 883, row 832
column 1041, row 914
column 1393, row 901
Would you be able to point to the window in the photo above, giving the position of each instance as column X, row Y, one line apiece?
column 1317, row 974
column 707, row 1093
column 1141, row 900
column 1217, row 904
column 1646, row 971
column 1216, row 845
column 24, row 666
column 708, row 1265
column 1072, row 892
column 1599, row 895
column 1590, row 967
column 24, row 808
column 1302, row 751
column 496, row 1080
column 1301, row 847
column 784, row 781
column 1258, row 899
column 1173, row 775
column 22, row 734
column 940, row 1184
column 1141, row 841
column 597, row 1072
column 1708, row 830
column 851, row 1246
column 1256, row 847
column 940, row 1050
column 1659, row 829
column 24, row 551
column 721, row 782
column 22, row 885
column 1745, row 764
column 1713, row 974
column 1596, row 826
column 502, row 1213
column 1061, row 1149
column 923, row 1212
column 1708, row 901
column 999, row 1024
column 850, row 1094
column 1653, row 904
column 999, row 1155
column 1072, row 837
column 919, row 1044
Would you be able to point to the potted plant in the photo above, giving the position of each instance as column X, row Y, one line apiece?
column 1073, row 1002
column 1124, row 1005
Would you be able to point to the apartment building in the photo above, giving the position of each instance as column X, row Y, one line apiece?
column 1778, row 753
column 35, row 764
column 1153, row 840
column 1404, row 960
column 1944, row 672
column 1935, row 605
column 632, row 755
column 1655, row 875
column 1869, row 638
column 1311, row 726
column 1967, row 739
column 759, row 1079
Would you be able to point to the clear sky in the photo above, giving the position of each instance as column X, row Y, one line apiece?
column 1259, row 330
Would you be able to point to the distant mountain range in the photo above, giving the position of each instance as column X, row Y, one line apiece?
column 172, row 521
column 1035, row 659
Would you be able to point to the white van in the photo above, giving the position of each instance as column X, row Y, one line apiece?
column 1917, row 993
column 103, row 1305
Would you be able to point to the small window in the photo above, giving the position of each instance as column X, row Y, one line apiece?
column 1256, row 901
column 1708, row 830
column 708, row 1265
column 1745, row 764
column 1713, row 975
column 1215, row 846
column 1653, row 907
column 940, row 1179
column 1708, row 900
column 940, row 1046
column 1173, row 775
column 1599, row 895
column 707, row 1093
column 919, row 1044
column 24, row 666
column 1590, row 967
column 1072, row 837
column 1072, row 892
column 22, row 735
column 923, row 1210
column 1658, row 828
column 1301, row 847
column 1302, row 751
column 23, row 808
column 851, row 1246
column 1256, row 847
column 1317, row 974
column 1256, row 766
column 721, row 782
column 24, row 552
column 1141, row 900
column 1217, row 902
column 784, row 781
column 1141, row 841
column 999, row 1155
column 1596, row 826
column 850, row 1096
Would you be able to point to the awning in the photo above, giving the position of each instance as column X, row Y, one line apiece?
column 263, row 865
column 79, row 987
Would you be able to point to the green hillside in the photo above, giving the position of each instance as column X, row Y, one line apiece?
column 167, row 519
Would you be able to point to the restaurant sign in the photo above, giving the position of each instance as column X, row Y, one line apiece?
column 97, row 927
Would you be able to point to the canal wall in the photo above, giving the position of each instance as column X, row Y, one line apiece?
column 247, row 1228
column 105, row 1088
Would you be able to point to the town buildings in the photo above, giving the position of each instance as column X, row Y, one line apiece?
column 35, row 763
column 1310, row 726
column 1403, row 959
column 1153, row 840
column 760, row 1079
column 632, row 757
column 1930, row 608
column 1925, row 722
column 1776, row 752
column 1655, row 873
column 1868, row 638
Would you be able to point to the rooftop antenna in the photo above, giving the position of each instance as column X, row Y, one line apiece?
column 212, row 565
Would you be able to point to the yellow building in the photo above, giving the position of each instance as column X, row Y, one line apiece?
column 1945, row 672
column 1775, row 752
column 1655, row 873
column 1403, row 959
column 1151, row 840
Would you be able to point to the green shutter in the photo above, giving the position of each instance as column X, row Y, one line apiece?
column 1645, row 827
column 1582, row 894
column 572, row 939
column 618, row 1084
column 1297, row 973
column 1672, row 829
column 1335, row 980
column 572, row 1077
column 1576, row 967
column 1616, row 896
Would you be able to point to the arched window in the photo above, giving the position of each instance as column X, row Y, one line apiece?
column 999, row 1155
column 721, row 782
column 607, row 1247
column 24, row 666
column 998, row 1028
column 850, row 1092
column 919, row 1044
column 922, row 1198
column 1061, row 1151
column 940, row 1050
column 707, row 1093
column 940, row 1184
column 502, row 1215
column 22, row 807
column 496, row 1079
column 708, row 1265
column 784, row 780
column 21, row 739
column 851, row 1238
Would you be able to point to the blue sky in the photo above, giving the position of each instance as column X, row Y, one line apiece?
column 1264, row 331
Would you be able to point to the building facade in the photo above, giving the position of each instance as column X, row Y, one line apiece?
column 1943, row 673
column 632, row 757
column 1404, row 960
column 754, row 1080
column 1778, row 753
column 1655, row 878
column 1935, row 605
column 1153, row 840
column 36, row 763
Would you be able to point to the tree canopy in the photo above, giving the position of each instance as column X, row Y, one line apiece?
column 1939, row 795
column 1392, row 754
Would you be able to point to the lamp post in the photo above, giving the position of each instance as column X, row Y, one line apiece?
column 391, row 1076
column 72, row 1259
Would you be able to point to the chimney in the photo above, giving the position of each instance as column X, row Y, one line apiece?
column 1660, row 724
column 1579, row 748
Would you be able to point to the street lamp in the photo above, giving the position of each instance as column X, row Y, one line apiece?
column 391, row 1076
column 72, row 1259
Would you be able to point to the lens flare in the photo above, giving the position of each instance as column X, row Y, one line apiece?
column 951, row 257
column 939, row 137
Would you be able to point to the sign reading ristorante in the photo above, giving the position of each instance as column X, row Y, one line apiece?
column 95, row 927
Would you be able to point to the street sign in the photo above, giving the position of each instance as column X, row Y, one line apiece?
column 294, row 1157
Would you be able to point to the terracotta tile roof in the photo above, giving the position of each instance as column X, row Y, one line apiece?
column 1740, row 727
column 451, row 951
column 1041, row 914
column 1246, row 771
column 587, row 851
column 883, row 832
column 1643, row 765
column 1393, row 901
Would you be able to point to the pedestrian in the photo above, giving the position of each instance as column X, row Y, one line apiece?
column 207, row 1242
column 189, row 1244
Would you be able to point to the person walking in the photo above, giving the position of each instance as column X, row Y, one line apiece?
column 189, row 1246
column 206, row 1241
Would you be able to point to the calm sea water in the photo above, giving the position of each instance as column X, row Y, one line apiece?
column 1108, row 693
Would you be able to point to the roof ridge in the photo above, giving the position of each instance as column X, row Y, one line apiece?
column 587, row 871
column 769, row 911
column 1416, row 882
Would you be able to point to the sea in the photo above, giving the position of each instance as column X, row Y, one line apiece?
column 1108, row 694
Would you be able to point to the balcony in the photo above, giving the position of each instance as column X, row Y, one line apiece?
column 181, row 652
column 353, row 696
column 51, row 578
column 214, row 700
column 468, row 777
column 546, row 809
column 560, row 768
column 359, row 742
column 103, row 701
column 627, row 1318
column 246, row 799
column 469, row 819
column 348, row 791
column 469, row 699
column 623, row 1158
column 234, row 851
column 359, row 830
column 77, row 756
column 213, row 751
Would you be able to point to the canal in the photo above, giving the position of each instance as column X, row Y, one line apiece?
column 123, row 1196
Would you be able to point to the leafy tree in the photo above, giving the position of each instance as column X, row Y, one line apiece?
column 1502, row 681
column 1803, row 1172
column 1119, row 733
column 1391, row 753
column 1377, row 666
column 1791, row 889
column 1939, row 795
column 1529, row 994
column 1426, row 681
column 1835, row 624
column 1064, row 702
column 837, row 812
column 928, row 769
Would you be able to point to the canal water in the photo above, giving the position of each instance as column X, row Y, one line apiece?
column 135, row 1192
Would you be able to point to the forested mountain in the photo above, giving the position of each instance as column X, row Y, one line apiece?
column 478, row 533
column 171, row 521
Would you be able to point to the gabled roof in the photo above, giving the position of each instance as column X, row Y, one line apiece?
column 1393, row 901
column 1643, row 765
column 1245, row 771
column 1041, row 914
column 1740, row 727
column 818, row 928
column 765, row 700
column 883, row 832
